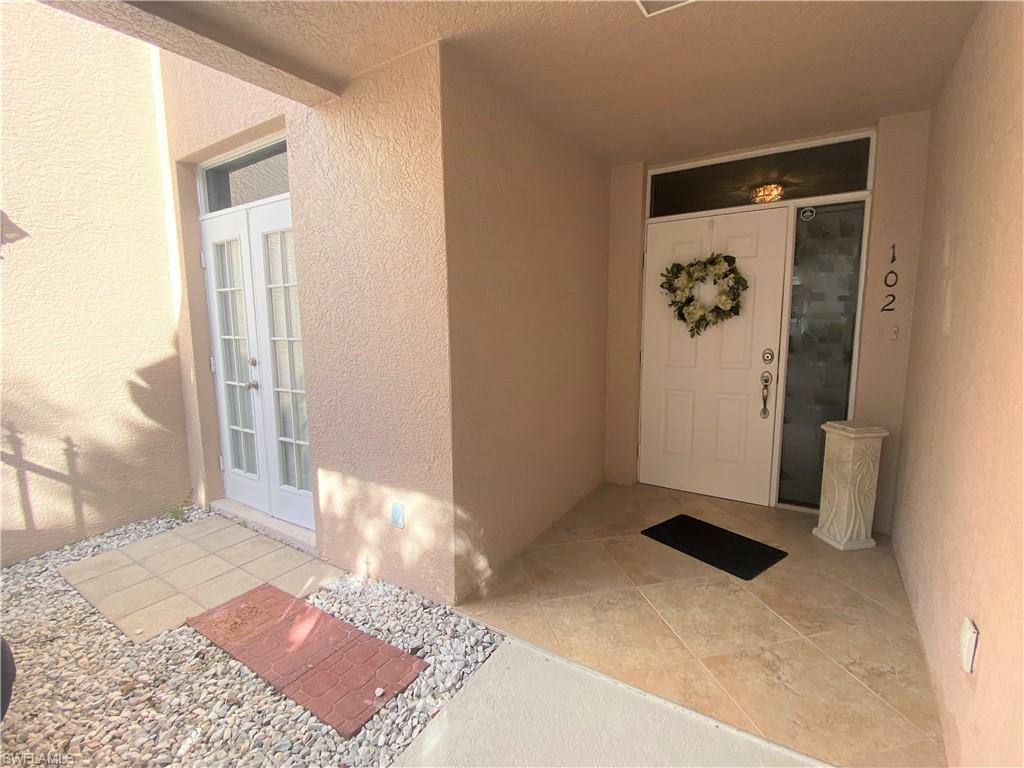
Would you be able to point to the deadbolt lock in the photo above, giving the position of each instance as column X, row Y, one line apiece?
column 768, row 355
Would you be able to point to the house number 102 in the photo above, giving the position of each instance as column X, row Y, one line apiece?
column 891, row 278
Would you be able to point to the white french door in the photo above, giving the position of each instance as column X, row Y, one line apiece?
column 707, row 412
column 261, row 397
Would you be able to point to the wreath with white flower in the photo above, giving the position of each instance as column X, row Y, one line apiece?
column 678, row 281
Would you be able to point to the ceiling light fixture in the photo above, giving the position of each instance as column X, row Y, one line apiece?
column 766, row 193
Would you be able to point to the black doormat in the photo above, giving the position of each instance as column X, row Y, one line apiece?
column 725, row 550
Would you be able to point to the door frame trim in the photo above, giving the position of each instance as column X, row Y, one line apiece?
column 787, row 293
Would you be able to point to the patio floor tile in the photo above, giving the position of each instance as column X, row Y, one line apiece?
column 134, row 598
column 152, row 545
column 114, row 581
column 307, row 578
column 97, row 565
column 249, row 549
column 149, row 622
column 173, row 558
column 322, row 663
column 197, row 571
column 222, row 588
column 342, row 690
column 200, row 528
column 225, row 537
column 276, row 563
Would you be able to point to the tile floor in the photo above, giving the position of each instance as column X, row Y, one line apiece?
column 159, row 582
column 339, row 673
column 819, row 653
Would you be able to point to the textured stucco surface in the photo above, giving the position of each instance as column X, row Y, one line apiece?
column 612, row 80
column 897, row 207
column 526, row 217
column 92, row 408
column 958, row 528
column 168, row 36
column 368, row 207
column 626, row 224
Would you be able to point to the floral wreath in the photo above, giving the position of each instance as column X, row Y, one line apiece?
column 678, row 281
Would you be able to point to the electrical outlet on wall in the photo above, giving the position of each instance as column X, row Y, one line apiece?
column 968, row 644
column 397, row 514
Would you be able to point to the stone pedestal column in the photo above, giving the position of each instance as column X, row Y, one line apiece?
column 848, row 483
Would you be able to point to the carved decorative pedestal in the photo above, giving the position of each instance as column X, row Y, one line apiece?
column 848, row 483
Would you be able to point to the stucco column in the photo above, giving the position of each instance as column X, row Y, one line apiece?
column 849, row 482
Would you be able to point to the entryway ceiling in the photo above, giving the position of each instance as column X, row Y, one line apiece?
column 698, row 79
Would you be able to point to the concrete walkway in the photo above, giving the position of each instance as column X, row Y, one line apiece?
column 525, row 707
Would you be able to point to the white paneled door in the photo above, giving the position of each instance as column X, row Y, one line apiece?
column 707, row 419
column 261, row 390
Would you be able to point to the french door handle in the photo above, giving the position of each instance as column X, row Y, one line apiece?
column 766, row 379
column 253, row 385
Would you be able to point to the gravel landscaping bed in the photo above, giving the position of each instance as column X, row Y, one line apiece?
column 83, row 689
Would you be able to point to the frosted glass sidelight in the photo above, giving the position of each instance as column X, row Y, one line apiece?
column 826, row 276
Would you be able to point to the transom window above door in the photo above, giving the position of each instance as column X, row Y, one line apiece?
column 257, row 175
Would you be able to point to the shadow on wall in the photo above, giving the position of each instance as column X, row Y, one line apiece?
column 70, row 474
column 355, row 532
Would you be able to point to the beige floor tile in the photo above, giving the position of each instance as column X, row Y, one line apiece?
column 227, row 536
column 617, row 633
column 890, row 661
column 872, row 572
column 200, row 528
column 920, row 754
column 812, row 601
column 159, row 617
column 523, row 620
column 114, row 581
column 646, row 561
column 91, row 567
column 799, row 697
column 693, row 687
column 196, row 572
column 222, row 588
column 173, row 558
column 573, row 569
column 275, row 563
column 152, row 545
column 249, row 549
column 510, row 585
column 716, row 615
column 134, row 598
column 307, row 578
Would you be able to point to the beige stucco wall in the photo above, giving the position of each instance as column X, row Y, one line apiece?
column 626, row 224
column 92, row 407
column 897, row 207
column 369, row 239
column 368, row 213
column 526, row 216
column 958, row 526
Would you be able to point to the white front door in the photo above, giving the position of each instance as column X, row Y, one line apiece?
column 261, row 395
column 701, row 423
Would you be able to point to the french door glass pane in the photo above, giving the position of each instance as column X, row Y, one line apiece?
column 234, row 355
column 826, row 276
column 289, row 378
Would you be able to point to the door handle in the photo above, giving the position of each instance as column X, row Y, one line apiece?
column 766, row 380
column 252, row 385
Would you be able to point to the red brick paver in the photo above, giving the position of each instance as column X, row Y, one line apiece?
column 320, row 662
